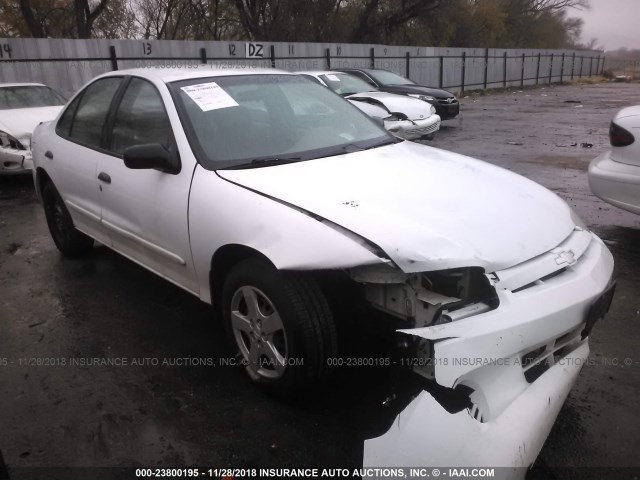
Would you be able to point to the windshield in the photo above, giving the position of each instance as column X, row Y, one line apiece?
column 257, row 120
column 345, row 84
column 29, row 96
column 384, row 77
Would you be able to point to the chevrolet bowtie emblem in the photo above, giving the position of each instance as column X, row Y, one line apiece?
column 566, row 256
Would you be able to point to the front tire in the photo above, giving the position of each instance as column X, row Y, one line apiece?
column 71, row 242
column 280, row 325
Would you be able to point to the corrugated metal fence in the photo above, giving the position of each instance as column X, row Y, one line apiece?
column 68, row 64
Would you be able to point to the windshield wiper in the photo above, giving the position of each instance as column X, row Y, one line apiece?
column 265, row 162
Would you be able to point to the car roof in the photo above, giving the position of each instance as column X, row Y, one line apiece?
column 318, row 72
column 174, row 74
column 368, row 70
column 22, row 84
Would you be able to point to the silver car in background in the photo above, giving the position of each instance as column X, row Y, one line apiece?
column 22, row 107
column 615, row 175
column 405, row 117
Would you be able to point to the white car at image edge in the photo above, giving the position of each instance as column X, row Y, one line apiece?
column 22, row 107
column 264, row 193
column 404, row 116
column 614, row 176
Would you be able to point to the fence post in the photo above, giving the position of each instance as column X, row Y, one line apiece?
column 372, row 56
column 203, row 55
column 504, row 73
column 408, row 69
column 441, row 79
column 573, row 64
column 562, row 68
column 464, row 71
column 272, row 53
column 114, row 59
column 327, row 54
column 581, row 64
column 538, row 68
column 604, row 60
column 590, row 66
column 522, row 72
column 551, row 69
column 486, row 67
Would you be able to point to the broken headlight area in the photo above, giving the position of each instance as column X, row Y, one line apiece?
column 9, row 141
column 423, row 300
column 429, row 298
column 396, row 117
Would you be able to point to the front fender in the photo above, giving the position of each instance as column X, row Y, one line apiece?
column 223, row 213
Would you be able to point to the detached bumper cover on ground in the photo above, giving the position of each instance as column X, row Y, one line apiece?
column 520, row 359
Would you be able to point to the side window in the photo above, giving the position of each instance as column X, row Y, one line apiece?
column 64, row 124
column 92, row 111
column 141, row 118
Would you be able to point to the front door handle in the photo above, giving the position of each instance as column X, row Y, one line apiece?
column 103, row 177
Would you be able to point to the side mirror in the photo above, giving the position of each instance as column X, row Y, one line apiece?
column 151, row 156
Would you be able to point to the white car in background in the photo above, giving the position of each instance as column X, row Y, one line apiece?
column 22, row 107
column 614, row 176
column 272, row 198
column 405, row 117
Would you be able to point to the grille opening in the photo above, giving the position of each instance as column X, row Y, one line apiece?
column 560, row 341
column 540, row 280
column 476, row 413
column 537, row 370
column 539, row 360
column 529, row 359
column 553, row 274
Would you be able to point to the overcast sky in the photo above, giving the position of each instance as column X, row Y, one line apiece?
column 615, row 23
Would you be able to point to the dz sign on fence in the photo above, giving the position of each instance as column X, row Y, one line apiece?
column 254, row 50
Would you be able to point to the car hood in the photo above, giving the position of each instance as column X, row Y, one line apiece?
column 413, row 108
column 21, row 122
column 428, row 209
column 418, row 89
column 372, row 110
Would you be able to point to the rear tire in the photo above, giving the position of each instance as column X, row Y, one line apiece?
column 71, row 242
column 280, row 325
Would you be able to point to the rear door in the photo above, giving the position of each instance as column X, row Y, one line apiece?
column 73, row 151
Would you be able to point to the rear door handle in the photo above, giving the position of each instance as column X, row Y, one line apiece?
column 103, row 177
column 48, row 154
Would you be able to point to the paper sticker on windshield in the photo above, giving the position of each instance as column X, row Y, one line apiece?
column 209, row 96
column 332, row 77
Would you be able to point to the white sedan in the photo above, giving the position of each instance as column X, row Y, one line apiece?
column 405, row 117
column 22, row 107
column 615, row 175
column 272, row 198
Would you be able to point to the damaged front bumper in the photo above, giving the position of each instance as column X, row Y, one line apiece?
column 414, row 129
column 520, row 361
column 425, row 434
column 14, row 160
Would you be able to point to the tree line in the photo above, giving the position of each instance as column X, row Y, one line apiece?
column 451, row 23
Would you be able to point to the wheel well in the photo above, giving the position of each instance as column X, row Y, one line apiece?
column 224, row 259
column 42, row 178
